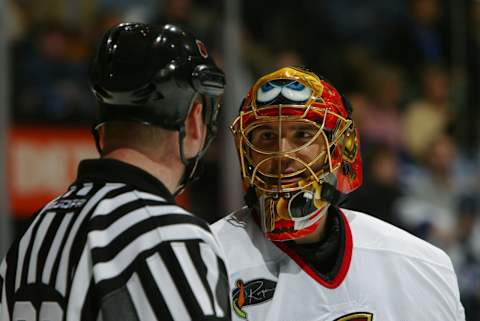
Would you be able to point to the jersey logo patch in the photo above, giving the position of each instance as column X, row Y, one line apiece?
column 252, row 292
column 358, row 316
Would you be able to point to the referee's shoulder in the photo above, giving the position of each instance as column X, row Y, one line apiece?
column 132, row 213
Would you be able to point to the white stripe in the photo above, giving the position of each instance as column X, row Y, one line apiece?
column 140, row 300
column 61, row 282
column 148, row 196
column 167, row 287
column 70, row 191
column 191, row 273
column 107, row 206
column 87, row 187
column 53, row 252
column 110, row 269
column 3, row 268
column 22, row 248
column 4, row 313
column 41, row 232
column 104, row 237
column 80, row 284
column 211, row 262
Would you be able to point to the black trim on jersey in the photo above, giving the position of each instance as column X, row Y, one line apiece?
column 102, row 254
column 155, row 297
column 115, row 171
column 102, row 222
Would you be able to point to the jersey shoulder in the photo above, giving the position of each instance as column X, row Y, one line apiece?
column 372, row 234
column 134, row 216
column 243, row 242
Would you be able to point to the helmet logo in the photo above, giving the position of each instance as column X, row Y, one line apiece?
column 202, row 49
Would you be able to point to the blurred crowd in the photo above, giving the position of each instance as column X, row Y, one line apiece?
column 410, row 69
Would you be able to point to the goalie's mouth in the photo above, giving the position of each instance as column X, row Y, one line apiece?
column 289, row 181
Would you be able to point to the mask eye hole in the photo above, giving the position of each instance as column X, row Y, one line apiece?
column 296, row 86
column 296, row 91
column 267, row 92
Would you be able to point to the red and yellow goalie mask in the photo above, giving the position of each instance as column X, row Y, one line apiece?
column 298, row 149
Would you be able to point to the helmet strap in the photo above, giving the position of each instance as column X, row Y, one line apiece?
column 96, row 136
column 192, row 165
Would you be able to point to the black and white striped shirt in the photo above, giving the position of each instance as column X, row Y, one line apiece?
column 114, row 247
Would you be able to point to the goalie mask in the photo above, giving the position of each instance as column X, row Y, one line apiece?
column 298, row 149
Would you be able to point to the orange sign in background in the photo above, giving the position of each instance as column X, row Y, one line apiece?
column 42, row 163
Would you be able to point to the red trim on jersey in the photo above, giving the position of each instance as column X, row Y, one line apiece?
column 342, row 272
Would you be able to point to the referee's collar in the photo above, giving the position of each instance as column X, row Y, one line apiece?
column 115, row 171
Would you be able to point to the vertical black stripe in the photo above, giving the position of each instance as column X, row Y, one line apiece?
column 12, row 259
column 181, row 282
column 155, row 297
column 53, row 277
column 47, row 243
column 28, row 253
column 223, row 289
column 193, row 248
column 1, row 289
column 91, row 305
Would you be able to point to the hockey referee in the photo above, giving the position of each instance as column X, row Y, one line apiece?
column 115, row 246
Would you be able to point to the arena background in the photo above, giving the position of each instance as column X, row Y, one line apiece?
column 410, row 68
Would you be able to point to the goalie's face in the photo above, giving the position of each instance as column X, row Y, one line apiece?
column 284, row 153
column 287, row 159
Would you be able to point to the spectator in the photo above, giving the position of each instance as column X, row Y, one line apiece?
column 428, row 115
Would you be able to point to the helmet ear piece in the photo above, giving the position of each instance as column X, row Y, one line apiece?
column 208, row 80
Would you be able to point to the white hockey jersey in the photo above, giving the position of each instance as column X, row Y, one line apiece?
column 386, row 274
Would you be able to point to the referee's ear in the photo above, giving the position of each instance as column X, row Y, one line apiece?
column 195, row 131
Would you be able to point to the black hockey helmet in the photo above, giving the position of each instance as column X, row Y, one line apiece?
column 152, row 74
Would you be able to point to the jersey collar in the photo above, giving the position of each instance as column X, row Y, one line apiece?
column 115, row 171
column 343, row 260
